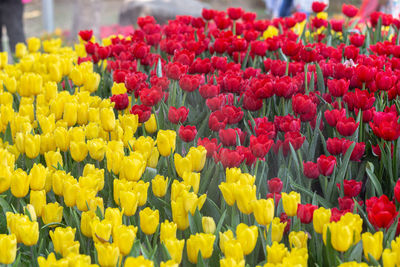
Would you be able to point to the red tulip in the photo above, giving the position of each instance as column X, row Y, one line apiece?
column 142, row 111
column 346, row 126
column 351, row 188
column 305, row 212
column 121, row 101
column 335, row 145
column 260, row 145
column 217, row 121
column 310, row 170
column 381, row 211
column 357, row 152
column 326, row 164
column 275, row 185
column 229, row 158
column 235, row 13
column 211, row 146
column 397, row 190
column 318, row 6
column 187, row 133
column 86, row 35
column 177, row 115
column 349, row 10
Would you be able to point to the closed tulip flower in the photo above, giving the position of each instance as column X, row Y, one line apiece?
column 231, row 262
column 141, row 188
column 244, row 195
column 11, row 84
column 224, row 237
column 167, row 230
column 129, row 202
column 149, row 220
column 87, row 220
column 208, row 225
column 107, row 254
column 277, row 229
column 151, row 124
column 175, row 249
column 52, row 213
column 38, row 201
column 192, row 180
column 197, row 156
column 53, row 159
column 101, row 231
column 276, row 253
column 228, row 192
column 132, row 167
column 263, row 210
column 62, row 138
column 70, row 114
column 159, row 185
column 124, row 236
column 389, row 258
column 32, row 145
column 166, row 140
column 33, row 44
column 341, row 235
column 372, row 244
column 19, row 183
column 152, row 161
column 107, row 118
column 138, row 261
column 37, row 177
column 179, row 214
column 29, row 233
column 5, row 179
column 63, row 240
column 79, row 151
column 247, row 236
column 20, row 142
column 321, row 217
column 97, row 149
column 114, row 215
column 290, row 202
column 298, row 239
column 182, row 164
column 202, row 243
column 8, row 247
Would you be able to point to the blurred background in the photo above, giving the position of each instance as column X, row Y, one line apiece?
column 64, row 18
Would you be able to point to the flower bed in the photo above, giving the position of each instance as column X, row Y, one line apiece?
column 221, row 140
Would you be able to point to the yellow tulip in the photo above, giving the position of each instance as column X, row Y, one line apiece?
column 244, row 195
column 129, row 202
column 175, row 249
column 114, row 215
column 101, row 231
column 276, row 253
column 389, row 258
column 208, row 225
column 233, row 249
column 298, row 239
column 179, row 214
column 38, row 201
column 202, row 243
column 228, row 192
column 197, row 155
column 159, row 185
column 97, row 149
column 341, row 235
column 132, row 167
column 79, row 151
column 19, row 183
column 29, row 233
column 149, row 220
column 224, row 237
column 63, row 241
column 151, row 124
column 33, row 44
column 138, row 261
column 8, row 247
column 372, row 244
column 290, row 202
column 124, row 237
column 37, row 177
column 62, row 138
column 263, row 210
column 321, row 217
column 52, row 213
column 107, row 254
column 231, row 262
column 192, row 179
column 247, row 236
column 166, row 140
column 107, row 118
column 182, row 164
column 53, row 159
column 32, row 145
column 87, row 220
column 277, row 229
column 167, row 230
column 5, row 179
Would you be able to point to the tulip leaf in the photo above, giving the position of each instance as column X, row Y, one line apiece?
column 4, row 205
column 195, row 222
column 314, row 139
column 296, row 161
column 246, row 58
column 165, row 252
column 8, row 135
column 374, row 180
column 391, row 232
column 354, row 253
column 17, row 261
column 49, row 225
column 364, row 216
column 302, row 189
column 320, row 79
column 343, row 167
column 372, row 260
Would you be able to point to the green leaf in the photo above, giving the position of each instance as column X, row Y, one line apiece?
column 220, row 224
column 200, row 260
column 8, row 135
column 314, row 139
column 343, row 167
column 52, row 224
column 364, row 216
column 302, row 189
column 374, row 180
column 320, row 79
column 5, row 206
column 373, row 261
column 246, row 58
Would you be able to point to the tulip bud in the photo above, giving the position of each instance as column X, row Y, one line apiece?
column 263, row 210
column 298, row 239
column 37, row 177
column 63, row 241
column 129, row 202
column 5, row 179
column 97, row 148
column 87, row 219
column 62, row 138
column 107, row 118
column 19, row 183
column 124, row 237
column 290, row 202
column 166, row 140
column 277, row 229
column 101, row 231
column 372, row 244
column 151, row 124
column 148, row 221
column 8, row 246
column 247, row 236
column 202, row 243
column 107, row 254
column 179, row 214
column 208, row 225
column 32, row 145
column 79, row 151
column 167, row 231
column 159, row 185
column 29, row 233
column 175, row 249
column 321, row 217
column 52, row 213
column 38, row 201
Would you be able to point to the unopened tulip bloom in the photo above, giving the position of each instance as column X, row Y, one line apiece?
column 175, row 249
column 276, row 253
column 233, row 249
column 29, row 233
column 29, row 209
column 159, row 185
column 70, row 114
column 141, row 188
column 52, row 213
column 228, row 192
column 321, row 217
column 64, row 240
column 389, row 258
column 138, row 261
column 107, row 254
column 5, row 179
column 53, row 159
column 179, row 214
column 87, row 220
column 97, row 148
column 277, row 229
column 244, row 195
column 231, row 262
column 152, row 161
column 151, row 124
column 101, row 230
column 19, row 183
column 372, row 244
column 290, row 202
column 32, row 145
column 114, row 215
column 182, row 164
column 192, row 179
column 166, row 140
column 107, row 118
column 79, row 151
column 132, row 167
column 208, row 225
column 341, row 235
column 247, row 236
column 149, row 220
column 129, row 202
column 224, row 237
column 197, row 156
column 263, row 210
column 8, row 247
column 167, row 230
column 62, row 138
column 202, row 243
column 37, row 176
column 124, row 236
column 38, row 201
column 298, row 239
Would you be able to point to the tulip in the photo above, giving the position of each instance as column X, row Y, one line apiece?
column 138, row 261
column 166, row 140
column 132, row 167
column 197, row 156
column 37, row 177
column 87, row 220
column 8, row 247
column 277, row 229
column 32, row 145
column 19, row 183
column 341, row 235
column 389, row 258
column 305, row 212
column 290, row 202
column 96, row 148
column 113, row 215
column 71, row 190
column 141, row 188
column 63, row 241
column 52, row 213
column 182, row 165
column 167, row 230
column 224, row 238
column 298, row 239
column 29, row 233
column 70, row 113
column 247, row 236
column 5, row 179
column 231, row 262
column 124, row 237
column 244, row 195
column 233, row 249
column 107, row 254
column 151, row 124
column 79, row 151
column 202, row 243
column 175, row 249
column 187, row 133
column 107, row 118
column 276, row 253
column 326, row 164
column 372, row 244
column 192, row 180
column 179, row 214
column 263, row 210
column 321, row 217
column 149, row 220
column 62, row 138
column 101, row 231
column 129, row 202
column 159, row 185
column 228, row 192
column 53, row 158
column 208, row 225
column 38, row 201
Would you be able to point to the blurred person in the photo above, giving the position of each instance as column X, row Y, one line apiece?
column 286, row 8
column 11, row 12
column 272, row 7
